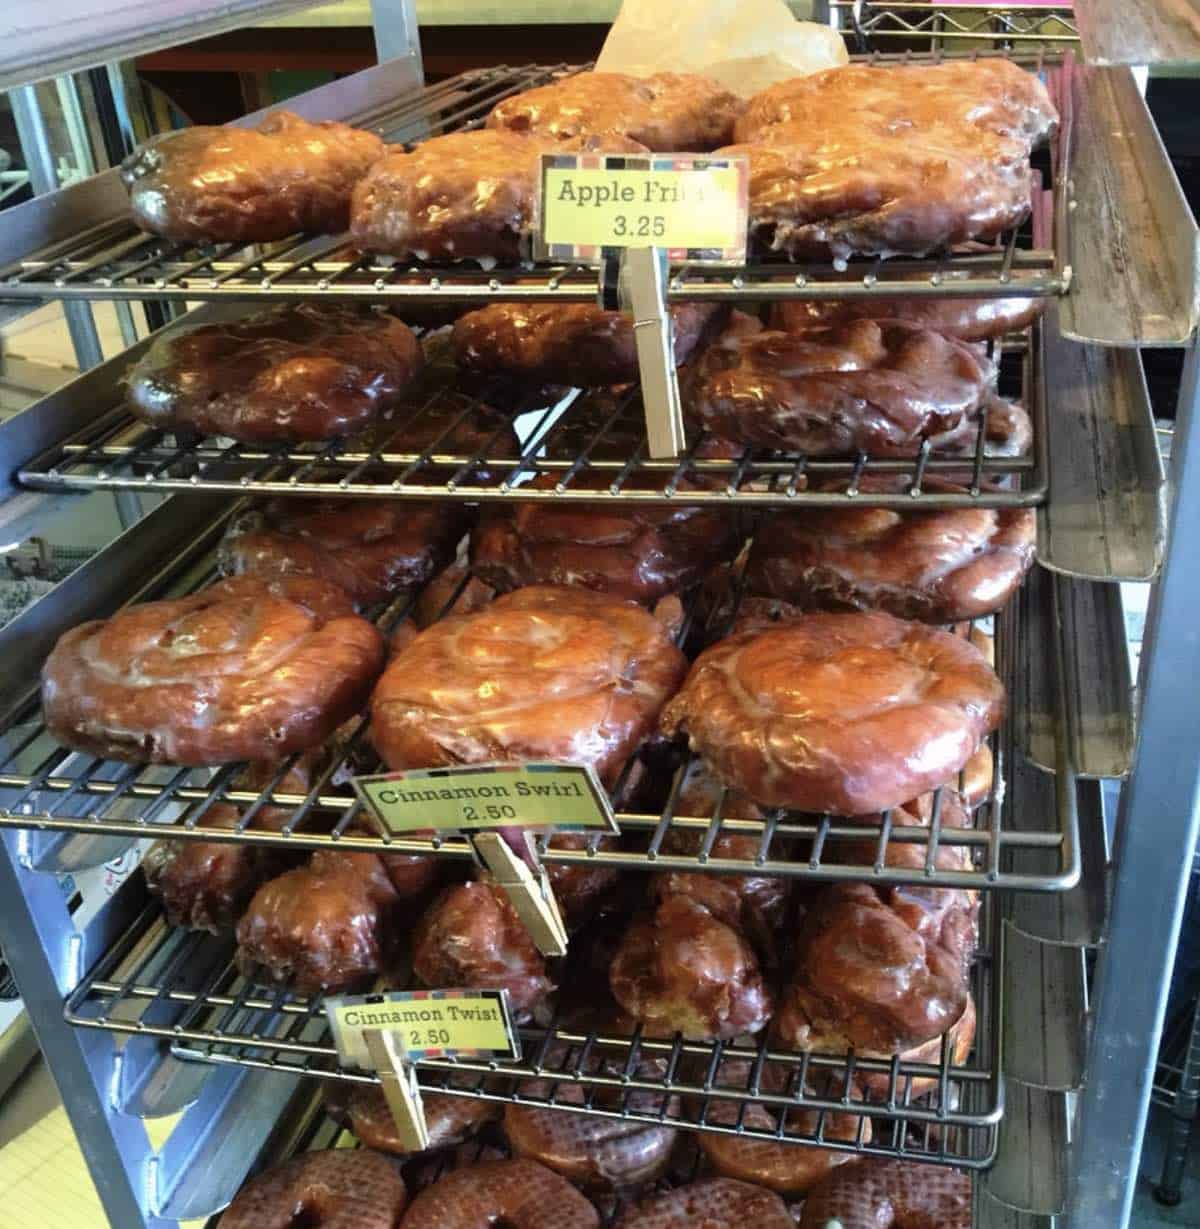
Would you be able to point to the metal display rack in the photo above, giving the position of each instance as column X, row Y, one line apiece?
column 139, row 1020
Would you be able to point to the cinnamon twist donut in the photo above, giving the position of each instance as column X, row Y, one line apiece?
column 841, row 713
column 286, row 374
column 451, row 1120
column 542, row 673
column 519, row 1194
column 877, row 1194
column 247, row 669
column 966, row 319
column 715, row 1203
column 342, row 1188
column 249, row 185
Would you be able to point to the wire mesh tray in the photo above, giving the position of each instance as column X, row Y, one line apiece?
column 46, row 787
column 113, row 260
column 874, row 22
column 185, row 987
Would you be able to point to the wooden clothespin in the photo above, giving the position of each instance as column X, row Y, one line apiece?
column 400, row 1087
column 529, row 891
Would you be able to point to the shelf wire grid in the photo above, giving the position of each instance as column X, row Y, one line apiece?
column 185, row 987
column 113, row 260
column 47, row 787
column 995, row 26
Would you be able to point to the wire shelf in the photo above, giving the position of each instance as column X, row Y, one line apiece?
column 46, row 787
column 996, row 26
column 184, row 987
column 113, row 260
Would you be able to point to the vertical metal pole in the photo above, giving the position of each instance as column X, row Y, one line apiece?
column 396, row 33
column 1183, row 1119
column 1156, row 835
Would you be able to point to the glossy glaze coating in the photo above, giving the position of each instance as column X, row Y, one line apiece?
column 451, row 591
column 966, row 319
column 877, row 1194
column 248, row 669
column 372, row 548
column 472, row 936
column 840, row 713
column 542, row 673
column 342, row 1188
column 669, row 112
column 450, row 1120
column 961, row 1036
column 517, row 1194
column 580, row 889
column 714, row 1203
column 572, row 343
column 287, row 374
column 877, row 386
column 466, row 196
column 681, row 969
column 953, row 812
column 937, row 566
column 638, row 551
column 249, row 184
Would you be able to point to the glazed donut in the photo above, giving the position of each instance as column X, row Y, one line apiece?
column 248, row 185
column 518, row 1194
column 452, row 591
column 877, row 1194
column 966, row 319
column 372, row 548
column 961, row 1037
column 451, row 1120
column 877, row 386
column 248, row 669
column 680, row 969
column 342, row 1188
column 577, row 344
column 282, row 375
column 665, row 111
column 472, row 936
column 580, row 888
column 715, row 1203
column 545, row 673
column 910, row 855
column 938, row 566
column 636, row 551
column 841, row 713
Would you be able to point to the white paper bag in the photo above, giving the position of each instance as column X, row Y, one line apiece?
column 744, row 44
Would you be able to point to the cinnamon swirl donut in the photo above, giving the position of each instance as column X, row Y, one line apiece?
column 247, row 669
column 249, row 185
column 542, row 673
column 342, row 1188
column 966, row 319
column 877, row 1194
column 283, row 375
column 714, row 1203
column 841, row 713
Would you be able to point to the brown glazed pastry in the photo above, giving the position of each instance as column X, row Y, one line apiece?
column 452, row 591
column 875, row 386
column 953, row 812
column 939, row 566
column 518, row 1194
column 545, row 673
column 451, row 1120
column 638, row 551
column 247, row 669
column 960, row 1037
column 472, row 936
column 574, row 343
column 683, row 970
column 841, row 713
column 579, row 889
column 966, row 319
column 342, row 1188
column 249, row 185
column 288, row 374
column 714, row 1203
column 877, row 1194
column 372, row 548
column 666, row 112
column 466, row 196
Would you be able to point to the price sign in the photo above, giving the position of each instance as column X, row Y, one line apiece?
column 693, row 205
column 482, row 796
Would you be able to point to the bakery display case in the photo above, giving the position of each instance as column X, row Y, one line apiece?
column 140, row 1018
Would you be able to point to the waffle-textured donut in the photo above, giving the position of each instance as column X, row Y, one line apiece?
column 466, row 196
column 966, row 319
column 543, row 673
column 714, row 1203
column 472, row 936
column 682, row 970
column 372, row 548
column 638, row 551
column 249, row 185
column 248, row 669
column 450, row 1120
column 841, row 713
column 938, row 566
column 519, row 1194
column 565, row 343
column 669, row 112
column 875, row 386
column 341, row 1188
column 876, row 1194
column 283, row 375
